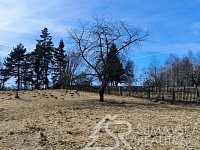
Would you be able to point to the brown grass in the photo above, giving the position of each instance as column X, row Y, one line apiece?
column 56, row 119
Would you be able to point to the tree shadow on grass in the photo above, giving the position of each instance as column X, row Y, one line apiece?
column 115, row 103
column 149, row 105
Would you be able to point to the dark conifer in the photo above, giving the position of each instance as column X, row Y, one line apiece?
column 14, row 64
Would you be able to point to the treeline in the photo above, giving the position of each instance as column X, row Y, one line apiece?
column 32, row 69
column 98, row 55
column 175, row 72
column 49, row 66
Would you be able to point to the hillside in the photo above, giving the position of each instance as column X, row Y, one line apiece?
column 56, row 119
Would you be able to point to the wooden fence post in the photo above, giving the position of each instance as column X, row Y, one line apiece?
column 188, row 94
column 149, row 93
column 177, row 94
column 173, row 95
column 182, row 98
column 120, row 91
column 184, row 92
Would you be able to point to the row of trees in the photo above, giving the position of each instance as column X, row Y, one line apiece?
column 175, row 72
column 38, row 69
column 97, row 56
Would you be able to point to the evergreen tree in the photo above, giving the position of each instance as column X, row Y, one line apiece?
column 114, row 67
column 14, row 63
column 117, row 73
column 44, row 49
column 4, row 76
column 37, row 69
column 59, row 64
column 27, row 69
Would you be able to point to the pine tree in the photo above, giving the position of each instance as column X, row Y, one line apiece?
column 114, row 66
column 44, row 49
column 4, row 76
column 14, row 63
column 27, row 69
column 37, row 69
column 59, row 64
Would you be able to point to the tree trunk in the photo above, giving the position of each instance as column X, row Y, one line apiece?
column 18, row 79
column 3, row 84
column 18, row 84
column 37, row 84
column 101, row 94
column 46, row 82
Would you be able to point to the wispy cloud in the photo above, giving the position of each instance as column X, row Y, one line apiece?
column 173, row 23
column 22, row 19
column 3, row 43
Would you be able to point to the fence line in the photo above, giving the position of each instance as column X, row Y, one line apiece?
column 182, row 94
column 174, row 94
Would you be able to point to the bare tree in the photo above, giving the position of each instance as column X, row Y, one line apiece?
column 153, row 73
column 93, row 41
column 181, row 71
column 190, row 71
column 70, row 72
column 73, row 59
column 173, row 69
column 129, row 73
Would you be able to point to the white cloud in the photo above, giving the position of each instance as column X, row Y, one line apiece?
column 3, row 43
column 22, row 19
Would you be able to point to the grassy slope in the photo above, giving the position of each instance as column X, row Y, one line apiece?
column 56, row 120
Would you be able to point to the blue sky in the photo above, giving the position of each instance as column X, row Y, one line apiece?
column 174, row 25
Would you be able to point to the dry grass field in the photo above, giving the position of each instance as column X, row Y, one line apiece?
column 56, row 119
